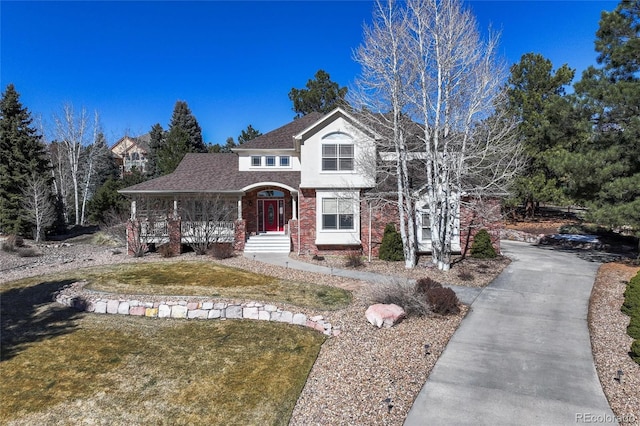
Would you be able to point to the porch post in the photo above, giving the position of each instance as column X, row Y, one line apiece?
column 175, row 209
column 240, row 207
column 294, row 207
column 133, row 209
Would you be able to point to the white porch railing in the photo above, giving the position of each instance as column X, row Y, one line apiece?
column 196, row 231
column 154, row 229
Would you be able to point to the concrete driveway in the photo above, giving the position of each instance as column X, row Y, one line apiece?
column 522, row 356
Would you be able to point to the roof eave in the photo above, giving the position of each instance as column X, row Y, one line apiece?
column 329, row 118
column 180, row 191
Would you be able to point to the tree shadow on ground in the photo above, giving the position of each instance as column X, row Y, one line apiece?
column 593, row 255
column 29, row 314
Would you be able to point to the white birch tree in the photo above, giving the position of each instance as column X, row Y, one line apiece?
column 382, row 87
column 38, row 205
column 73, row 134
column 453, row 84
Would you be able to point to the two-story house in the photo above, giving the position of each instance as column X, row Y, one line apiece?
column 131, row 152
column 302, row 187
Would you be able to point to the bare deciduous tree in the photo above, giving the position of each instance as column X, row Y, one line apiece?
column 207, row 220
column 382, row 88
column 73, row 134
column 450, row 82
column 39, row 209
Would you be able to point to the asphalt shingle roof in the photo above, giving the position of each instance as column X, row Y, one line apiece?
column 211, row 173
column 282, row 137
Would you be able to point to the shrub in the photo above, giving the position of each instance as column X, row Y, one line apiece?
column 482, row 247
column 633, row 329
column 354, row 260
column 465, row 276
column 391, row 248
column 403, row 294
column 27, row 252
column 631, row 303
column 423, row 285
column 631, row 307
column 635, row 351
column 165, row 250
column 12, row 243
column 221, row 250
column 443, row 301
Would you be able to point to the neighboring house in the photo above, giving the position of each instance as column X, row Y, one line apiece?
column 302, row 187
column 130, row 152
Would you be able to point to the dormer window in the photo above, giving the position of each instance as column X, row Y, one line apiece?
column 256, row 161
column 284, row 161
column 270, row 161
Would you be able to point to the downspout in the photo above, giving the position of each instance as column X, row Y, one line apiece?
column 370, row 210
column 298, row 205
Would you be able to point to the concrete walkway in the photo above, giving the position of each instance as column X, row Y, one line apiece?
column 466, row 294
column 522, row 356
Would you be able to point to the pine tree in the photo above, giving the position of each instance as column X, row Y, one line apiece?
column 248, row 134
column 321, row 95
column 536, row 94
column 175, row 148
column 157, row 140
column 23, row 156
column 603, row 170
column 184, row 119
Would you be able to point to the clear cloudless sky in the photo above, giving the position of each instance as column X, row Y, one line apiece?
column 234, row 63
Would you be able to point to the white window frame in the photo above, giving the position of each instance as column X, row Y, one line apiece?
column 424, row 244
column 344, row 209
column 339, row 157
column 281, row 161
column 256, row 157
column 350, row 201
column 270, row 159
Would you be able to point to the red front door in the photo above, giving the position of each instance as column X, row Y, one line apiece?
column 271, row 215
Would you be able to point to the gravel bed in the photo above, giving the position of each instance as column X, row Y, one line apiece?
column 466, row 272
column 367, row 375
column 610, row 342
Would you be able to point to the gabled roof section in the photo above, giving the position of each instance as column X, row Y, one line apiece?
column 282, row 137
column 141, row 141
column 329, row 118
column 211, row 173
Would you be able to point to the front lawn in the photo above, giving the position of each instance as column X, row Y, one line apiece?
column 208, row 279
column 61, row 366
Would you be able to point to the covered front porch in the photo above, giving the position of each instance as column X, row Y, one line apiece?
column 200, row 220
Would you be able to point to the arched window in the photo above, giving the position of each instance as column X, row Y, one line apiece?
column 337, row 152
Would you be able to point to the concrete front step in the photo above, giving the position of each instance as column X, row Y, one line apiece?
column 268, row 243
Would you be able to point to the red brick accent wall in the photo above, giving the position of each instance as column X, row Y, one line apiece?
column 133, row 236
column 381, row 215
column 175, row 236
column 479, row 214
column 240, row 235
column 307, row 206
column 292, row 226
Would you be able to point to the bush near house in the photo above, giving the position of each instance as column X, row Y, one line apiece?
column 443, row 301
column 482, row 247
column 391, row 248
column 631, row 307
column 425, row 297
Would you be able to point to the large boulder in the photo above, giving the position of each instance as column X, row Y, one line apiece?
column 387, row 315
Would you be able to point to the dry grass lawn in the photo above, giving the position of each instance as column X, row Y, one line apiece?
column 214, row 280
column 60, row 366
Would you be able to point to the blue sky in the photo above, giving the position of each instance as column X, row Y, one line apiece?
column 234, row 63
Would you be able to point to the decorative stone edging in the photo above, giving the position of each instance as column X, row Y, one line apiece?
column 76, row 296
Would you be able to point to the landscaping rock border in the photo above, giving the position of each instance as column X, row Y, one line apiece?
column 76, row 296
